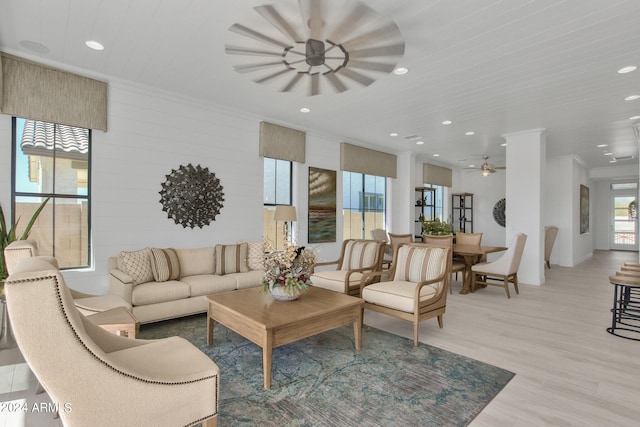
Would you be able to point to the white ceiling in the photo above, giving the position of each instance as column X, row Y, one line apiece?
column 492, row 67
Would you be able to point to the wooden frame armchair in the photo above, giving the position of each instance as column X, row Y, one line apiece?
column 357, row 256
column 418, row 287
column 101, row 378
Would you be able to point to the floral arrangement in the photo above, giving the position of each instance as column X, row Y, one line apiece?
column 289, row 269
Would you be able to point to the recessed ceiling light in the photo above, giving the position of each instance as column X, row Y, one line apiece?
column 469, row 133
column 602, row 145
column 305, row 110
column 504, row 144
column 393, row 134
column 419, row 142
column 634, row 117
column 472, row 166
column 94, row 45
column 400, row 71
column 628, row 69
column 608, row 154
column 447, row 122
column 632, row 97
column 613, row 161
column 436, row 155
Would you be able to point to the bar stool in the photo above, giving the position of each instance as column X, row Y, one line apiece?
column 625, row 318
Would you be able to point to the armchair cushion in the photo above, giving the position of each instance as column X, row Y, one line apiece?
column 165, row 264
column 136, row 264
column 334, row 279
column 398, row 295
column 360, row 254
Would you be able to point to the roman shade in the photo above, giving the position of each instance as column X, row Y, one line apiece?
column 364, row 160
column 35, row 91
column 279, row 142
column 436, row 175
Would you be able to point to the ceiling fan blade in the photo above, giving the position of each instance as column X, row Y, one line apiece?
column 500, row 167
column 269, row 13
column 247, row 32
column 294, row 81
column 358, row 77
column 255, row 67
column 335, row 82
column 315, row 84
column 387, row 32
column 373, row 66
column 357, row 13
column 233, row 50
column 391, row 50
column 273, row 76
column 311, row 11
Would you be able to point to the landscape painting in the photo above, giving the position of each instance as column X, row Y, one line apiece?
column 584, row 209
column 322, row 205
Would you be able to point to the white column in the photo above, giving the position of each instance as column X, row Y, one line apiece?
column 400, row 204
column 526, row 154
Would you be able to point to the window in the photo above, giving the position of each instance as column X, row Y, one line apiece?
column 51, row 160
column 364, row 204
column 277, row 191
column 439, row 201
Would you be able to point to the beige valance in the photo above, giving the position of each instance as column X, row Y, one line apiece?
column 38, row 92
column 279, row 142
column 354, row 158
column 436, row 175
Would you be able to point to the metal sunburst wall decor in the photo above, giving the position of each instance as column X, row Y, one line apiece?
column 192, row 196
column 316, row 45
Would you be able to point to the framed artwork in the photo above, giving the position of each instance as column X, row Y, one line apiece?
column 584, row 209
column 322, row 205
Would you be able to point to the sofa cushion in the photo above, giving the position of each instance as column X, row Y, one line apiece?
column 359, row 254
column 231, row 258
column 207, row 284
column 164, row 264
column 397, row 294
column 156, row 292
column 196, row 261
column 136, row 264
column 255, row 255
column 250, row 279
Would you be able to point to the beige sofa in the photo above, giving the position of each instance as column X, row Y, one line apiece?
column 166, row 283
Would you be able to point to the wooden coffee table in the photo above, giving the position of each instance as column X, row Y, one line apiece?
column 269, row 323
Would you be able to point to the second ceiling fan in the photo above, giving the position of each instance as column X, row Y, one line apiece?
column 486, row 168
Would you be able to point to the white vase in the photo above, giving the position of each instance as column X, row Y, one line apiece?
column 281, row 295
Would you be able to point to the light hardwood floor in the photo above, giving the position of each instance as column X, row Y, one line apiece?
column 569, row 371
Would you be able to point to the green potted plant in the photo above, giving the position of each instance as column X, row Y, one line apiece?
column 436, row 227
column 8, row 235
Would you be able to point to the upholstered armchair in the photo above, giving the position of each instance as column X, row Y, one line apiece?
column 418, row 287
column 502, row 271
column 357, row 257
column 550, row 234
column 98, row 378
column 86, row 303
column 456, row 265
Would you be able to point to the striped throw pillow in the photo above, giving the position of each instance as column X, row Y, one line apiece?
column 359, row 254
column 417, row 264
column 231, row 259
column 164, row 264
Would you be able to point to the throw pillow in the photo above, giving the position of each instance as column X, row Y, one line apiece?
column 255, row 256
column 136, row 264
column 231, row 258
column 164, row 264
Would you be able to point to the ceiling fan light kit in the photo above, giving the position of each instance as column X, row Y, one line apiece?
column 486, row 169
column 317, row 45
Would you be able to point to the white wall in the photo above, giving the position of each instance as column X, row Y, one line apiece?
column 559, row 207
column 582, row 243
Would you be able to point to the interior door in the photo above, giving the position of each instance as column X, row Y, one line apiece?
column 624, row 226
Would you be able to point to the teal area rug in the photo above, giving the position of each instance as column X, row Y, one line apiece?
column 324, row 381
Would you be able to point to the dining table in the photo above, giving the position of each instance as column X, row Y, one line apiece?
column 471, row 255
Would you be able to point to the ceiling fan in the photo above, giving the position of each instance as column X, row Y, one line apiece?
column 317, row 45
column 486, row 168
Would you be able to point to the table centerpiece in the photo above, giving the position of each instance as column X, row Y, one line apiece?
column 287, row 272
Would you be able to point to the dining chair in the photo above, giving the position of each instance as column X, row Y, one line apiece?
column 396, row 240
column 381, row 234
column 455, row 266
column 474, row 239
column 104, row 379
column 502, row 271
column 418, row 287
column 357, row 257
column 550, row 233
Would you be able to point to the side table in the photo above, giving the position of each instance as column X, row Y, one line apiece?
column 119, row 320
